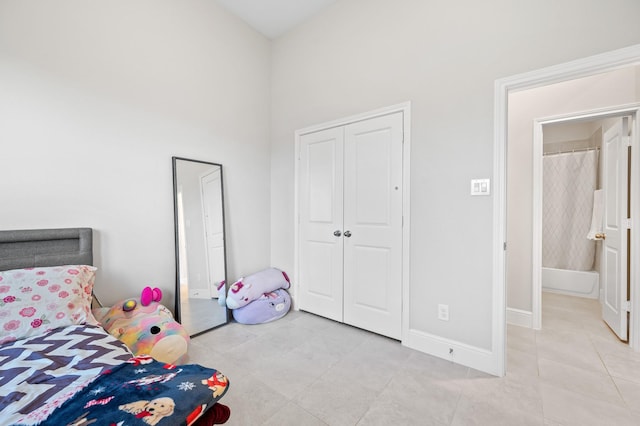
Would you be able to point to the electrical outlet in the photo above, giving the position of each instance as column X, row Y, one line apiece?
column 443, row 312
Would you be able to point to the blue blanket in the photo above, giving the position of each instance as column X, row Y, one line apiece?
column 143, row 392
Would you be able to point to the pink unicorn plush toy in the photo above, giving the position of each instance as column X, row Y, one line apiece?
column 146, row 328
column 250, row 288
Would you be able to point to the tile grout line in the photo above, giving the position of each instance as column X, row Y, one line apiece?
column 600, row 356
column 586, row 334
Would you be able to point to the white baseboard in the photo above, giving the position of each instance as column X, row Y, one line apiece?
column 460, row 353
column 519, row 317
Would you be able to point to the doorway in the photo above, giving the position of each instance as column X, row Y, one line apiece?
column 581, row 228
column 591, row 66
column 212, row 215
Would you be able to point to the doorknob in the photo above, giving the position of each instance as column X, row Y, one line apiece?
column 599, row 236
column 337, row 233
column 347, row 234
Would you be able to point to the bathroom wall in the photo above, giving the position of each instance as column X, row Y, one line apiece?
column 609, row 89
column 571, row 136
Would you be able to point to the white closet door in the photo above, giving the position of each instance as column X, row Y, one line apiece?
column 373, row 225
column 321, row 210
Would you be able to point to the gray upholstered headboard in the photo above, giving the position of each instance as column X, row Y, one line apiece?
column 45, row 247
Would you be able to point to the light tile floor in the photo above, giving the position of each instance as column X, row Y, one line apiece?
column 197, row 315
column 307, row 370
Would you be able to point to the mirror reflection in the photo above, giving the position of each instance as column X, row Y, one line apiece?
column 200, row 244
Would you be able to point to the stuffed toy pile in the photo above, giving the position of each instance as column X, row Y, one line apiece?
column 260, row 297
column 146, row 327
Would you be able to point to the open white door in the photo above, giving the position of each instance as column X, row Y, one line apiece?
column 613, row 276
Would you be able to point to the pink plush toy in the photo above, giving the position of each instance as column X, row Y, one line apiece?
column 147, row 329
column 250, row 288
column 222, row 293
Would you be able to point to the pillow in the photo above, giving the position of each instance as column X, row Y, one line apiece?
column 34, row 301
column 266, row 308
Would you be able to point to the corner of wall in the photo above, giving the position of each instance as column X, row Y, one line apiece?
column 519, row 317
column 454, row 351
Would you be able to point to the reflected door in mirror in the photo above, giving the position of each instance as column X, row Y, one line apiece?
column 200, row 244
column 211, row 185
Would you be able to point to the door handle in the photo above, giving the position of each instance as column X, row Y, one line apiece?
column 347, row 234
column 337, row 233
column 599, row 236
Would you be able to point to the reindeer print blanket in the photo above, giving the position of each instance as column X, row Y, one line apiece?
column 144, row 392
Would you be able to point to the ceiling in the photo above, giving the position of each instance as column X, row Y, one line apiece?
column 274, row 17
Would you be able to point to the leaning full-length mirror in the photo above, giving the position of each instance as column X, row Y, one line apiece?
column 200, row 244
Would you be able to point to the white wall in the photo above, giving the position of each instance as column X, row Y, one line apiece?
column 599, row 91
column 444, row 57
column 95, row 98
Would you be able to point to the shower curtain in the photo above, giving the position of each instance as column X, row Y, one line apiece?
column 569, row 180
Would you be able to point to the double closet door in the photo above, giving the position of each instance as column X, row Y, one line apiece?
column 350, row 225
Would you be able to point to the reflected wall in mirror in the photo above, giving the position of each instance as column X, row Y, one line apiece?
column 200, row 244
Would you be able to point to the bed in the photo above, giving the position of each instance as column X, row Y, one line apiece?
column 59, row 367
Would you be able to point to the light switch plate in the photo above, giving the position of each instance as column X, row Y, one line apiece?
column 480, row 186
column 443, row 312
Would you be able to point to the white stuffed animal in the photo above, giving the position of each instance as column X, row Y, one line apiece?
column 250, row 288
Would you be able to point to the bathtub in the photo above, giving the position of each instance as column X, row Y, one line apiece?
column 572, row 283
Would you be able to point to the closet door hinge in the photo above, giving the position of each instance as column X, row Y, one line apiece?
column 627, row 223
column 626, row 306
column 626, row 140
